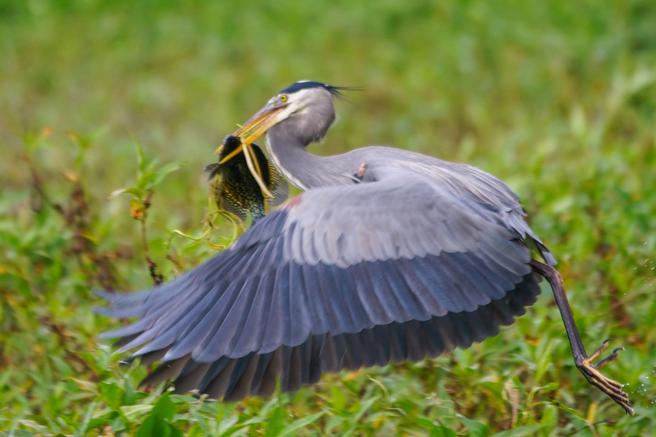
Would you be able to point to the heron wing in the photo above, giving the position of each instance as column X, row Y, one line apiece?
column 481, row 191
column 340, row 277
column 501, row 203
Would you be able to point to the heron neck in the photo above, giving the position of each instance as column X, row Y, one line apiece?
column 301, row 167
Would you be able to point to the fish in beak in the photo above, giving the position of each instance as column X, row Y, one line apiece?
column 255, row 127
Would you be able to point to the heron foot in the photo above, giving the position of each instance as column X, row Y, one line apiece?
column 608, row 358
column 610, row 387
column 584, row 362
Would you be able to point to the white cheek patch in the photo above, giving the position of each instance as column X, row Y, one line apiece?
column 287, row 112
column 299, row 101
column 299, row 98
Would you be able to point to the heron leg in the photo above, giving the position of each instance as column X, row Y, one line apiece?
column 584, row 362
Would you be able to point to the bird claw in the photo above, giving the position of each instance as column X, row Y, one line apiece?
column 610, row 387
column 608, row 358
column 602, row 347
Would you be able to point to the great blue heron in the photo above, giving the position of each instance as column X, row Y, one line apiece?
column 388, row 255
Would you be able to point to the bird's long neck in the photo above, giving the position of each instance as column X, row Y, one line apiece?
column 301, row 167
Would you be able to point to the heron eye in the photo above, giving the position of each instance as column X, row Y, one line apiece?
column 284, row 98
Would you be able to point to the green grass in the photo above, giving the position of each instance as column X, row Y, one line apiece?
column 557, row 98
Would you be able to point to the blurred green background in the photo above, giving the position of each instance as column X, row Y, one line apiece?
column 558, row 98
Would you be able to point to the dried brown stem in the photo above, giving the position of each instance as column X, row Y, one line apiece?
column 96, row 266
column 153, row 270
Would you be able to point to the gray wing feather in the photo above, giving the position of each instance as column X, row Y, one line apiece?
column 405, row 221
column 481, row 191
column 307, row 287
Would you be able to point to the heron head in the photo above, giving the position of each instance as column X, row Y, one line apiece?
column 304, row 110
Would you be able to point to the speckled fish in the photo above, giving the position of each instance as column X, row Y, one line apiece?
column 234, row 188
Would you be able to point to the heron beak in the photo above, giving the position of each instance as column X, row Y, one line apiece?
column 259, row 123
column 256, row 126
column 230, row 155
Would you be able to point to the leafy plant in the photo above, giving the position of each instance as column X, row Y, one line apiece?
column 557, row 98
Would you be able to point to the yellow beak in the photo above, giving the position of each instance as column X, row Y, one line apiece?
column 257, row 125
column 254, row 127
column 230, row 155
